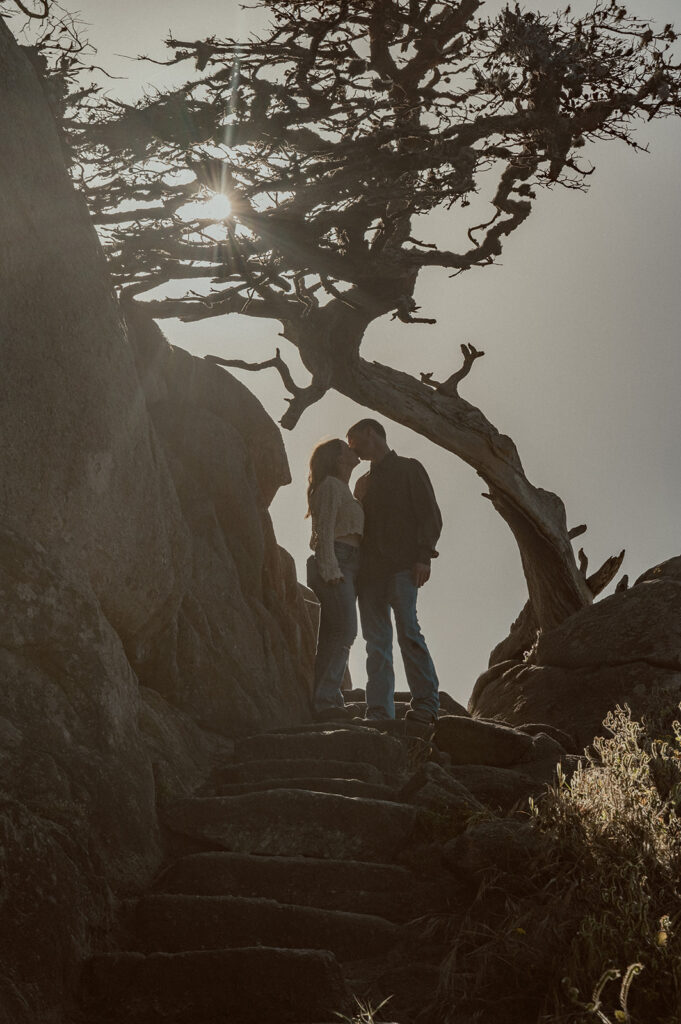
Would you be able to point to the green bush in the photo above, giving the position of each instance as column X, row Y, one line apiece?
column 591, row 930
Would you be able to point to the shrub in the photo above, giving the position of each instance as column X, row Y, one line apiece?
column 591, row 930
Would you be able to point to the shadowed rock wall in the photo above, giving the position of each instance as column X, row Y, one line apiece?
column 143, row 593
column 81, row 468
column 239, row 653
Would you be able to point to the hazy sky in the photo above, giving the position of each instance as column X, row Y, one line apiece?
column 579, row 324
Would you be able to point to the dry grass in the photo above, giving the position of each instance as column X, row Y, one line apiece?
column 366, row 1012
column 591, row 930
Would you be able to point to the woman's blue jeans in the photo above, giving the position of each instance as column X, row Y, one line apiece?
column 337, row 626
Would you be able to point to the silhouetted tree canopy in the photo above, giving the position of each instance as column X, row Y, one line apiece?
column 332, row 138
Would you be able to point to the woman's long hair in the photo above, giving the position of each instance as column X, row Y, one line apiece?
column 323, row 462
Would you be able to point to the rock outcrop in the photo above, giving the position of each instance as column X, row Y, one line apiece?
column 623, row 649
column 147, row 610
column 82, row 472
column 238, row 653
column 78, row 807
column 147, row 472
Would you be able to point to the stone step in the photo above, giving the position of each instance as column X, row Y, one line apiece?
column 171, row 923
column 291, row 768
column 385, row 890
column 404, row 729
column 344, row 744
column 243, row 986
column 448, row 706
column 297, row 822
column 358, row 708
column 346, row 787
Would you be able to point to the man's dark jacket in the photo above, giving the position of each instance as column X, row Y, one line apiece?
column 402, row 521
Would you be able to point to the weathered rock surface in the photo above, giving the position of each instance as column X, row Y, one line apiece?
column 470, row 741
column 135, row 545
column 146, row 471
column 238, row 654
column 386, row 890
column 562, row 738
column 347, row 744
column 296, row 822
column 82, row 473
column 434, row 788
column 289, row 768
column 493, row 845
column 344, row 787
column 78, row 812
column 639, row 625
column 280, row 986
column 173, row 923
column 289, row 878
column 623, row 649
column 500, row 789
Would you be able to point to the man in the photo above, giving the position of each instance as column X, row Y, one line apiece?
column 402, row 524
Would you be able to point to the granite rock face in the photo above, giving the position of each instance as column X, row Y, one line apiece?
column 146, row 471
column 77, row 817
column 623, row 649
column 135, row 548
column 82, row 472
column 238, row 654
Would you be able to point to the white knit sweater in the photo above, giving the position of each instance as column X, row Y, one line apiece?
column 335, row 513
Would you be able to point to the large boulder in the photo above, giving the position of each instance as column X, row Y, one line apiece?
column 135, row 545
column 82, row 472
column 470, row 741
column 77, row 814
column 623, row 649
column 146, row 471
column 239, row 652
column 85, row 758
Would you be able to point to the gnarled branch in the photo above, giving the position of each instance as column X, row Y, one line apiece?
column 302, row 398
column 34, row 14
column 523, row 631
column 449, row 388
column 600, row 579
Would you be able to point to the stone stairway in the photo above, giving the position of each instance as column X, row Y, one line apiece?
column 295, row 875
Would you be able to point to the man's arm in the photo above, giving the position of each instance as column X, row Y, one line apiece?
column 428, row 520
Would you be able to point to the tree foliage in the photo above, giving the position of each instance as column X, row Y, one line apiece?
column 333, row 135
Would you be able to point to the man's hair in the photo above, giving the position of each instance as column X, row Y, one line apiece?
column 367, row 424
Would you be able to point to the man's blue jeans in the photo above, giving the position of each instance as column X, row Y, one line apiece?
column 337, row 626
column 378, row 594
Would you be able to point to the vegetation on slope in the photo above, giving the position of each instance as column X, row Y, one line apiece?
column 589, row 929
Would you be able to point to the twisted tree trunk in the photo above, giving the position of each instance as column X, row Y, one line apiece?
column 329, row 341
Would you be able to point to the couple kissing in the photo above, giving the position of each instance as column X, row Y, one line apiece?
column 371, row 549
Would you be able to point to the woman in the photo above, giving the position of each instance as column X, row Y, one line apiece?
column 337, row 526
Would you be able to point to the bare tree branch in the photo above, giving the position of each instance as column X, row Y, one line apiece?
column 302, row 398
column 450, row 386
column 623, row 584
column 603, row 576
column 34, row 14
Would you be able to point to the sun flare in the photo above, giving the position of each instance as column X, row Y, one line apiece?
column 218, row 207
